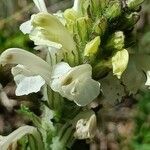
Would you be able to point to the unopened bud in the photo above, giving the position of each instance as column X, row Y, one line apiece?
column 120, row 62
column 92, row 48
column 95, row 8
column 133, row 4
column 70, row 15
column 82, row 27
column 103, row 4
column 113, row 10
column 100, row 26
column 116, row 41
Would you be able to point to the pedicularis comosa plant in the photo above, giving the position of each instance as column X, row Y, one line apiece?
column 89, row 62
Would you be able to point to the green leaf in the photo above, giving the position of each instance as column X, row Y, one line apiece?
column 112, row 90
column 134, row 77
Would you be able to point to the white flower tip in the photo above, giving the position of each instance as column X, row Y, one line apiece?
column 76, row 5
column 40, row 4
column 148, row 79
column 26, row 27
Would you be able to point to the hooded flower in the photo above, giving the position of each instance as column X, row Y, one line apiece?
column 33, row 63
column 76, row 83
column 46, row 29
column 27, row 27
column 49, row 31
column 32, row 73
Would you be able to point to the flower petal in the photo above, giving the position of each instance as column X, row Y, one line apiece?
column 62, row 73
column 33, row 63
column 81, row 70
column 60, row 69
column 88, row 90
column 40, row 39
column 20, row 69
column 48, row 28
column 26, row 27
column 75, row 83
column 27, row 85
column 26, row 81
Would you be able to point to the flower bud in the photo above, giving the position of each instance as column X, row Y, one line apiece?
column 133, row 4
column 103, row 4
column 70, row 15
column 113, row 9
column 120, row 62
column 77, row 5
column 92, row 48
column 100, row 26
column 116, row 41
column 95, row 8
column 81, row 6
column 82, row 28
column 86, row 128
column 40, row 4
